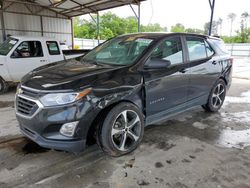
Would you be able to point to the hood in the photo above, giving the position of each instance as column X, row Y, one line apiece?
column 69, row 75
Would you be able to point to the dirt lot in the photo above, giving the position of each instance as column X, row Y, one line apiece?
column 194, row 149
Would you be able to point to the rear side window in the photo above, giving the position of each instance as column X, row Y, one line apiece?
column 28, row 49
column 169, row 49
column 196, row 48
column 53, row 48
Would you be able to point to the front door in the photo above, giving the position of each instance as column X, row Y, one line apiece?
column 166, row 89
column 26, row 57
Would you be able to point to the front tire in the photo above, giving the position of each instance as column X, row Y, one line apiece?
column 122, row 130
column 3, row 86
column 216, row 97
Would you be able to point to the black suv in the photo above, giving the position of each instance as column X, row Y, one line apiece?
column 118, row 88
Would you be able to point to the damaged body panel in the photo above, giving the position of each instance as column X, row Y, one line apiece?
column 62, row 105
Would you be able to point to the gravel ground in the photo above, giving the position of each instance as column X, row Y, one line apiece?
column 193, row 149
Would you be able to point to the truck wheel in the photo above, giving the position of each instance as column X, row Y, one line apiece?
column 216, row 97
column 3, row 86
column 122, row 130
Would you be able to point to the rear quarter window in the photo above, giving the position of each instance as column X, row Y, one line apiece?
column 219, row 46
column 53, row 48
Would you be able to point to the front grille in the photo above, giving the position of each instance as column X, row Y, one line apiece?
column 25, row 106
column 30, row 93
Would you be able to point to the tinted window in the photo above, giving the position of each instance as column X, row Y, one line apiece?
column 170, row 49
column 209, row 50
column 7, row 45
column 28, row 49
column 196, row 48
column 219, row 45
column 53, row 48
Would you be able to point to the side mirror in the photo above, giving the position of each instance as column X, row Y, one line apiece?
column 156, row 63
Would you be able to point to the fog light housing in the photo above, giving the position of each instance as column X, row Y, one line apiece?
column 68, row 129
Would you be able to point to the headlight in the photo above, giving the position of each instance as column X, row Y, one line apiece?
column 55, row 99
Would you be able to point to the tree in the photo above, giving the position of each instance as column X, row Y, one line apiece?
column 231, row 17
column 244, row 17
column 243, row 34
column 152, row 28
column 219, row 24
column 214, row 30
column 194, row 30
column 178, row 28
column 110, row 26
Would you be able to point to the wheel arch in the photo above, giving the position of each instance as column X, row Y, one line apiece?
column 96, row 123
column 224, row 79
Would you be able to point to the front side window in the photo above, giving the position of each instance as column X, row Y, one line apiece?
column 171, row 50
column 53, row 48
column 119, row 51
column 28, row 49
column 7, row 45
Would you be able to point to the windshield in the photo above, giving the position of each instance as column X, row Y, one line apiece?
column 119, row 51
column 7, row 45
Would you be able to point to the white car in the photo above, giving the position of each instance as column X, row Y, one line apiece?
column 20, row 54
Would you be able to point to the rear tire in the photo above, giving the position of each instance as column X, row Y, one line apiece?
column 3, row 86
column 122, row 130
column 216, row 97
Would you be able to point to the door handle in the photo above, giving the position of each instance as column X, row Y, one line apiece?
column 42, row 61
column 183, row 70
column 214, row 62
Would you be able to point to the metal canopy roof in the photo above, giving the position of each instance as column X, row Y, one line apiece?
column 72, row 8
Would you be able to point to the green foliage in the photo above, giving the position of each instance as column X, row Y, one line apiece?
column 214, row 30
column 241, row 37
column 152, row 28
column 194, row 30
column 178, row 28
column 110, row 26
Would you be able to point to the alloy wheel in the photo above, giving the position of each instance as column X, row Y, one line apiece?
column 126, row 130
column 218, row 96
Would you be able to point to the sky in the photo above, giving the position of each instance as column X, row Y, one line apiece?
column 191, row 13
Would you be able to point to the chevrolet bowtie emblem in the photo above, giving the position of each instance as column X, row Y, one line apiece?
column 19, row 91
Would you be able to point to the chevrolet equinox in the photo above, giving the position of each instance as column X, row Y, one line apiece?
column 115, row 90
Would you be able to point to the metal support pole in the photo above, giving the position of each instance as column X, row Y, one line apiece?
column 3, row 25
column 41, row 22
column 98, row 27
column 212, row 15
column 139, row 17
column 72, row 33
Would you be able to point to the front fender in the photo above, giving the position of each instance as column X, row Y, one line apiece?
column 130, row 94
column 4, row 73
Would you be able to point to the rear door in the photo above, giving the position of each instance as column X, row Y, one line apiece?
column 27, row 56
column 166, row 89
column 204, row 68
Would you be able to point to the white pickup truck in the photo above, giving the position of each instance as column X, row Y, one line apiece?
column 20, row 54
